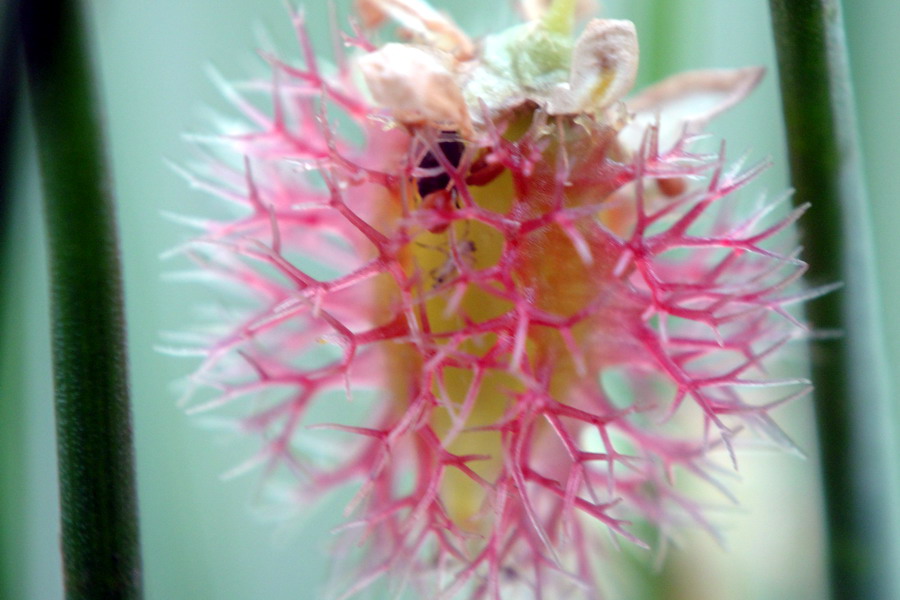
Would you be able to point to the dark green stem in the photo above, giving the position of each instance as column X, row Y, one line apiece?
column 9, row 88
column 101, row 557
column 12, row 505
column 852, row 391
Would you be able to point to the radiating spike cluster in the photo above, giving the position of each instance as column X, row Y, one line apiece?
column 483, row 326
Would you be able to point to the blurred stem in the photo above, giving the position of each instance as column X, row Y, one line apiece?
column 12, row 438
column 9, row 87
column 101, row 557
column 12, row 461
column 850, row 376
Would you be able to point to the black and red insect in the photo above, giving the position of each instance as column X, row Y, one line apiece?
column 438, row 179
column 433, row 183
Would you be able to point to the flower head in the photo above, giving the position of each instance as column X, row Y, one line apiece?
column 533, row 303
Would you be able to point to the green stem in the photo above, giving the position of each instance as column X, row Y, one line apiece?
column 9, row 88
column 101, row 557
column 850, row 376
column 11, row 421
column 12, row 505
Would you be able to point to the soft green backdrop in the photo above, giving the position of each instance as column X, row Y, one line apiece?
column 202, row 537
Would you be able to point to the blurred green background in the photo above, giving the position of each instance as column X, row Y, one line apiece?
column 203, row 538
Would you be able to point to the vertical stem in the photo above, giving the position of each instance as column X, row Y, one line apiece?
column 11, row 405
column 101, row 557
column 9, row 88
column 11, row 421
column 850, row 376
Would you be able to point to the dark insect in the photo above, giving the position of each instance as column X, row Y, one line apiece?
column 453, row 149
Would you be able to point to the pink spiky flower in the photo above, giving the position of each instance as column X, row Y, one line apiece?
column 530, row 300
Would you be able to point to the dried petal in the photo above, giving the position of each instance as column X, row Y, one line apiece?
column 604, row 67
column 688, row 101
column 422, row 21
column 417, row 86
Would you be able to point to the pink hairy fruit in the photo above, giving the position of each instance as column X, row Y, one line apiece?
column 549, row 322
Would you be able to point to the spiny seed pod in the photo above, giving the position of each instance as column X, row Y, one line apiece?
column 525, row 300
